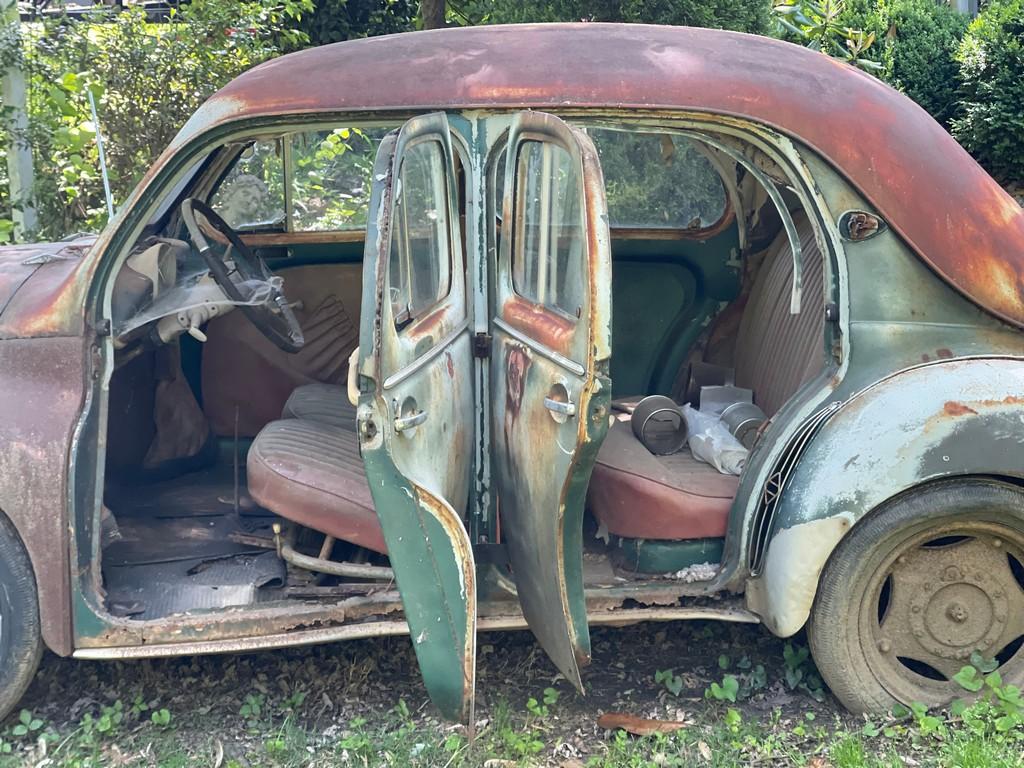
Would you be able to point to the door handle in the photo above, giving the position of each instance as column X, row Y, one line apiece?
column 405, row 423
column 562, row 408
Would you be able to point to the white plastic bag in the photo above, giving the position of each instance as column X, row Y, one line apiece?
column 711, row 442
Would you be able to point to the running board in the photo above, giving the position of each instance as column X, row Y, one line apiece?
column 620, row 617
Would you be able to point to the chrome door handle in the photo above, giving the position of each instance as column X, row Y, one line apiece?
column 562, row 408
column 405, row 423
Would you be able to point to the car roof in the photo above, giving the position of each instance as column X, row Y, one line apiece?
column 929, row 190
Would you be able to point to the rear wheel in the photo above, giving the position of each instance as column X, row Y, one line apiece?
column 916, row 588
column 20, row 642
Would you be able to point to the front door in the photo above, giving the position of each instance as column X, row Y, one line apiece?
column 415, row 411
column 550, row 389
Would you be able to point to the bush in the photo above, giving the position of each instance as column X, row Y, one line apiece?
column 991, row 57
column 738, row 15
column 335, row 20
column 146, row 78
column 917, row 42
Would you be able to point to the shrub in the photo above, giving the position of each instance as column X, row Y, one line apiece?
column 738, row 15
column 991, row 57
column 917, row 46
column 146, row 79
column 335, row 20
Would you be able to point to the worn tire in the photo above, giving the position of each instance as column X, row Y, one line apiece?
column 20, row 642
column 846, row 654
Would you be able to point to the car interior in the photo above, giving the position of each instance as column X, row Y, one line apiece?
column 233, row 474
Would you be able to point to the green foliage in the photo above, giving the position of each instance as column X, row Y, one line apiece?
column 922, row 38
column 147, row 80
column 918, row 40
column 738, row 15
column 991, row 58
column 726, row 691
column 28, row 724
column 334, row 20
column 542, row 708
column 673, row 683
column 819, row 24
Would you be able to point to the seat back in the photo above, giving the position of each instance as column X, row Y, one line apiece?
column 777, row 352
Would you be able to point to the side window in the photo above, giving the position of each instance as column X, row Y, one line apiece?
column 420, row 258
column 658, row 181
column 251, row 196
column 331, row 178
column 550, row 228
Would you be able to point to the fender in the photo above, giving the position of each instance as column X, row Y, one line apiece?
column 943, row 419
column 42, row 382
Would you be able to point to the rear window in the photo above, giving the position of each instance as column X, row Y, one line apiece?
column 658, row 181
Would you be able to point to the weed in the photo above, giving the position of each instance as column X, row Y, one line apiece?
column 726, row 691
column 673, row 683
column 539, row 709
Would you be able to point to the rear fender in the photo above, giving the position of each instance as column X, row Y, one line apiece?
column 944, row 419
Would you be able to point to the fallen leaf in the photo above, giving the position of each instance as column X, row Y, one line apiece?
column 818, row 762
column 495, row 762
column 639, row 726
column 705, row 750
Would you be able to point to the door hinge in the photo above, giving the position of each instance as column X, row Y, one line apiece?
column 482, row 345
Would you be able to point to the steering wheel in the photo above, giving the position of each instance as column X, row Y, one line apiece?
column 273, row 317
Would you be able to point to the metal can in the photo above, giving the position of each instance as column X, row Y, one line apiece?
column 743, row 421
column 658, row 423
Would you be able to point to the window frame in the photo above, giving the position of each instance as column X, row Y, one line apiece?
column 518, row 232
column 288, row 235
column 441, row 298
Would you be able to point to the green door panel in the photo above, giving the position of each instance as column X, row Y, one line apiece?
column 550, row 392
column 415, row 415
column 432, row 559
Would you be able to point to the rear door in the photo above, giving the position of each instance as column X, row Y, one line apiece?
column 415, row 411
column 549, row 371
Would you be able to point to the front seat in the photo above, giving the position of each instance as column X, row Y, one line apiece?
column 311, row 472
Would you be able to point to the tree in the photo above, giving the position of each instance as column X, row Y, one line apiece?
column 432, row 13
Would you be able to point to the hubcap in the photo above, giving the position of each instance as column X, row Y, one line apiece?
column 939, row 598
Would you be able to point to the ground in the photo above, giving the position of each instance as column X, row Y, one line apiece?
column 362, row 704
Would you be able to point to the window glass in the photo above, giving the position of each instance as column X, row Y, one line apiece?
column 420, row 261
column 548, row 260
column 251, row 196
column 658, row 180
column 331, row 178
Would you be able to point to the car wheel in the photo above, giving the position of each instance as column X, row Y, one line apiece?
column 20, row 643
column 916, row 588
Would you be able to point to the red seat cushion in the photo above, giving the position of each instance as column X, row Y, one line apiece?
column 312, row 473
column 642, row 496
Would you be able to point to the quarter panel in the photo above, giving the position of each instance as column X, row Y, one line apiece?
column 942, row 419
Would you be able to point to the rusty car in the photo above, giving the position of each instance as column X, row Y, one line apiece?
column 362, row 355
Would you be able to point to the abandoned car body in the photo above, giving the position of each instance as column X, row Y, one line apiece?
column 460, row 258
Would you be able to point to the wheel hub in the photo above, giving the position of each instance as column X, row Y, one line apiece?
column 953, row 618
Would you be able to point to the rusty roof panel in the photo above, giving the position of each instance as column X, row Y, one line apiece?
column 927, row 187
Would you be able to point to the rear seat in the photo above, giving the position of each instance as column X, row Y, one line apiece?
column 636, row 494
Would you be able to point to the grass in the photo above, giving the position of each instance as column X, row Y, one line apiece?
column 362, row 704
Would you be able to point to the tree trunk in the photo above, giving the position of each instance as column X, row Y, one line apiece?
column 432, row 13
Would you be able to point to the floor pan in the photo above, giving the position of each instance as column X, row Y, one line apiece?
column 175, row 552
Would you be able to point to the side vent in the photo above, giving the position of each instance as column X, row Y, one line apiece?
column 771, row 493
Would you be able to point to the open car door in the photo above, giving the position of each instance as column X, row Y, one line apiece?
column 415, row 414
column 549, row 371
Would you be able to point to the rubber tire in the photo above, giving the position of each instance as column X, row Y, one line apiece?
column 21, row 645
column 833, row 625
